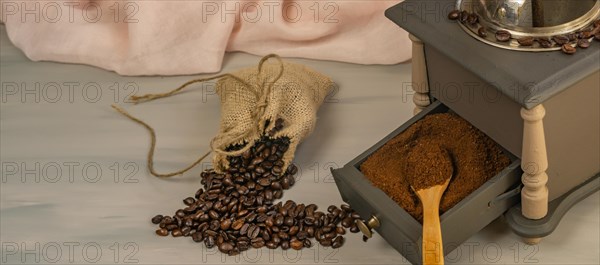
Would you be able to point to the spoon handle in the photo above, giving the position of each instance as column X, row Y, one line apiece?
column 432, row 249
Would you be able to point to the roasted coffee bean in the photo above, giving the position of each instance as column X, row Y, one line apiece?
column 568, row 49
column 197, row 237
column 225, row 224
column 162, row 232
column 225, row 247
column 338, row 242
column 292, row 169
column 171, row 227
column 347, row 222
column 503, row 35
column 572, row 36
column 271, row 245
column 561, row 39
column 185, row 231
column 326, row 242
column 464, row 16
column 526, row 41
column 237, row 224
column 244, row 229
column 188, row 222
column 454, row 15
column 354, row 229
column 176, row 232
column 257, row 242
column 209, row 241
column 213, row 214
column 583, row 43
column 545, row 43
column 285, row 245
column 307, row 243
column 265, row 182
column 296, row 244
column 472, row 19
column 180, row 213
column 253, row 231
column 157, row 219
column 482, row 32
column 331, row 208
column 340, row 230
column 189, row 201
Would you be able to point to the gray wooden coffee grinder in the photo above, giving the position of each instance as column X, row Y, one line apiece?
column 527, row 74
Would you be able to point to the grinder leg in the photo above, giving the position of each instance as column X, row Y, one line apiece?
column 419, row 75
column 534, row 162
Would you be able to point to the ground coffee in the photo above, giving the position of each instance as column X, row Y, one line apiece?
column 476, row 158
column 427, row 165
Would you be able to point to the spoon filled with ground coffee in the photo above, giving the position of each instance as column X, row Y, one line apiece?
column 429, row 171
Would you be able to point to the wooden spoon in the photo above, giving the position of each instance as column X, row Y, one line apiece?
column 432, row 249
column 429, row 170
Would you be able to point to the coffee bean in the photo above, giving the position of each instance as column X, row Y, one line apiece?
column 454, row 15
column 209, row 241
column 157, row 219
column 526, row 41
column 265, row 182
column 326, row 242
column 237, row 224
column 296, row 244
column 503, row 35
column 338, row 242
column 162, row 232
column 331, row 208
column 583, row 43
column 176, row 232
column 561, row 39
column 271, row 245
column 347, row 222
column 225, row 247
column 482, row 32
column 189, row 201
column 568, row 49
column 307, row 243
column 545, row 43
column 253, row 231
column 285, row 245
column 225, row 224
column 464, row 16
column 340, row 230
column 472, row 19
column 257, row 242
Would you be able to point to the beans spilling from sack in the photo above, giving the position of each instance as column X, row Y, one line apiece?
column 236, row 210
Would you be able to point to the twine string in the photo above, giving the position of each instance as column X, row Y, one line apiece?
column 217, row 144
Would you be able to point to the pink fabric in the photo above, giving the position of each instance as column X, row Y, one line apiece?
column 160, row 37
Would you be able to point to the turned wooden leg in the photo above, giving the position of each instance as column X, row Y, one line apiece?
column 419, row 75
column 534, row 162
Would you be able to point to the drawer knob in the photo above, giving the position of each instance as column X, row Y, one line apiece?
column 366, row 228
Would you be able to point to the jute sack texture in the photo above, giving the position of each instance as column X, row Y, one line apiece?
column 252, row 99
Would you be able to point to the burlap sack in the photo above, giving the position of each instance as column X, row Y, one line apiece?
column 289, row 91
column 251, row 100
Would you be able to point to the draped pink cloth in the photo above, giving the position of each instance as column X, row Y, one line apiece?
column 162, row 37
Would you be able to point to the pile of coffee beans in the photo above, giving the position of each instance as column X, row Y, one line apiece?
column 235, row 210
column 568, row 42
